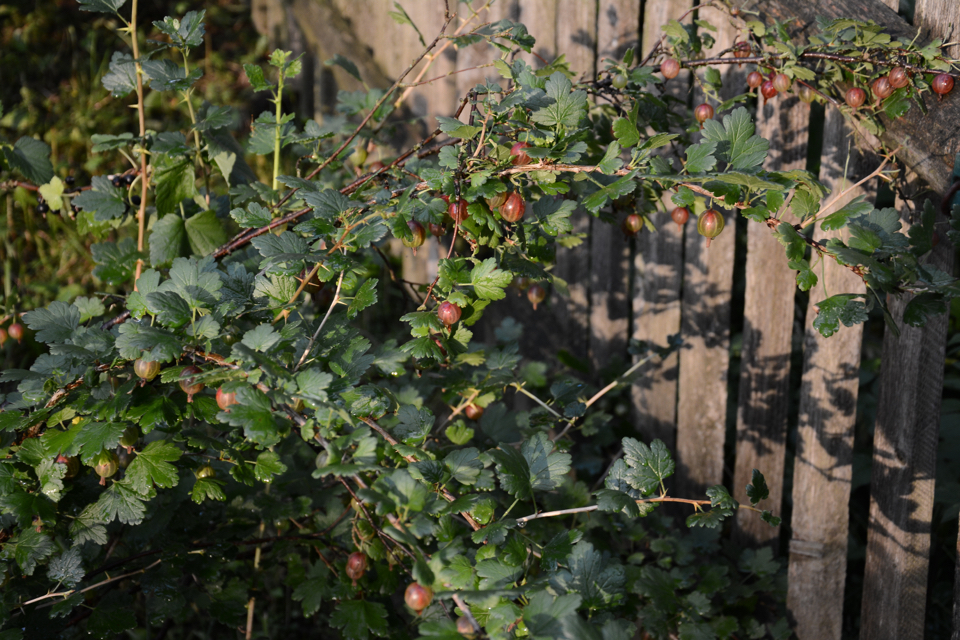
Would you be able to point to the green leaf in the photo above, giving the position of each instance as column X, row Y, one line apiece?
column 626, row 132
column 738, row 145
column 123, row 502
column 922, row 307
column 845, row 307
column 113, row 615
column 29, row 548
column 67, row 568
column 115, row 262
column 167, row 240
column 122, row 77
column 806, row 278
column 152, row 467
column 103, row 200
column 720, row 497
column 535, row 467
column 611, row 162
column 268, row 465
column 166, row 75
column 757, row 490
column 56, row 323
column 51, row 192
column 598, row 581
column 712, row 519
column 360, row 618
column 769, row 518
column 253, row 413
column 650, row 465
column 94, row 437
column 838, row 219
column 415, row 424
column 366, row 295
column 544, row 614
column 255, row 76
column 175, row 183
column 30, row 157
column 185, row 33
column 169, row 308
column 207, row 489
column 456, row 129
column 566, row 109
column 310, row 592
column 345, row 64
column 205, row 233
column 101, row 6
column 255, row 215
column 700, row 157
column 464, row 465
column 489, row 281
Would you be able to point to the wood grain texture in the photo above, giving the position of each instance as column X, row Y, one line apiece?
column 705, row 325
column 907, row 428
column 618, row 28
column 928, row 144
column 828, row 408
column 576, row 39
column 767, row 331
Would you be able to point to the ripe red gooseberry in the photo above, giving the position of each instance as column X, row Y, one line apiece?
column 741, row 50
column 517, row 154
column 417, row 597
column 767, row 90
column 710, row 224
column 437, row 230
column 670, row 68
column 632, row 224
column 16, row 329
column 942, row 85
column 703, row 113
column 188, row 384
column 356, row 566
column 513, row 207
column 881, row 88
column 473, row 411
column 458, row 210
column 448, row 313
column 680, row 215
column 855, row 96
column 898, row 78
column 225, row 399
column 3, row 336
column 754, row 79
column 536, row 294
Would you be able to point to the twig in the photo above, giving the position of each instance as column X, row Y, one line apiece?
column 563, row 512
column 313, row 338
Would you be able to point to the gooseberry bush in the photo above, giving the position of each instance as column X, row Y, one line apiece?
column 267, row 412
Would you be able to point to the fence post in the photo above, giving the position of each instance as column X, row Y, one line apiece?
column 767, row 330
column 828, row 409
column 657, row 268
column 906, row 434
column 705, row 326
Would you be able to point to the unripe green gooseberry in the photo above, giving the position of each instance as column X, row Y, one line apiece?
column 129, row 438
column 781, row 82
column 619, row 81
column 206, row 471
column 105, row 464
column 146, row 370
column 710, row 224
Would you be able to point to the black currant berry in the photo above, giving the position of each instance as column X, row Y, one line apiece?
column 43, row 207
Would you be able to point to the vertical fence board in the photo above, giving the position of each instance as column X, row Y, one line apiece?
column 658, row 268
column 828, row 410
column 905, row 438
column 767, row 330
column 618, row 28
column 705, row 325
column 576, row 28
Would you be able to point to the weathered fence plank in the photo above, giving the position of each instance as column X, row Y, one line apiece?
column 907, row 429
column 618, row 28
column 904, row 465
column 767, row 331
column 705, row 325
column 828, row 408
column 658, row 268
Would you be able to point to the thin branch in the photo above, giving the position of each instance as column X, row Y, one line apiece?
column 313, row 338
column 563, row 512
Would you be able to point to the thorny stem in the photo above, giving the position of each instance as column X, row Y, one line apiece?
column 144, row 182
column 563, row 512
column 313, row 338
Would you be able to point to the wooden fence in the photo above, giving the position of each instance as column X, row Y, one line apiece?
column 668, row 282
